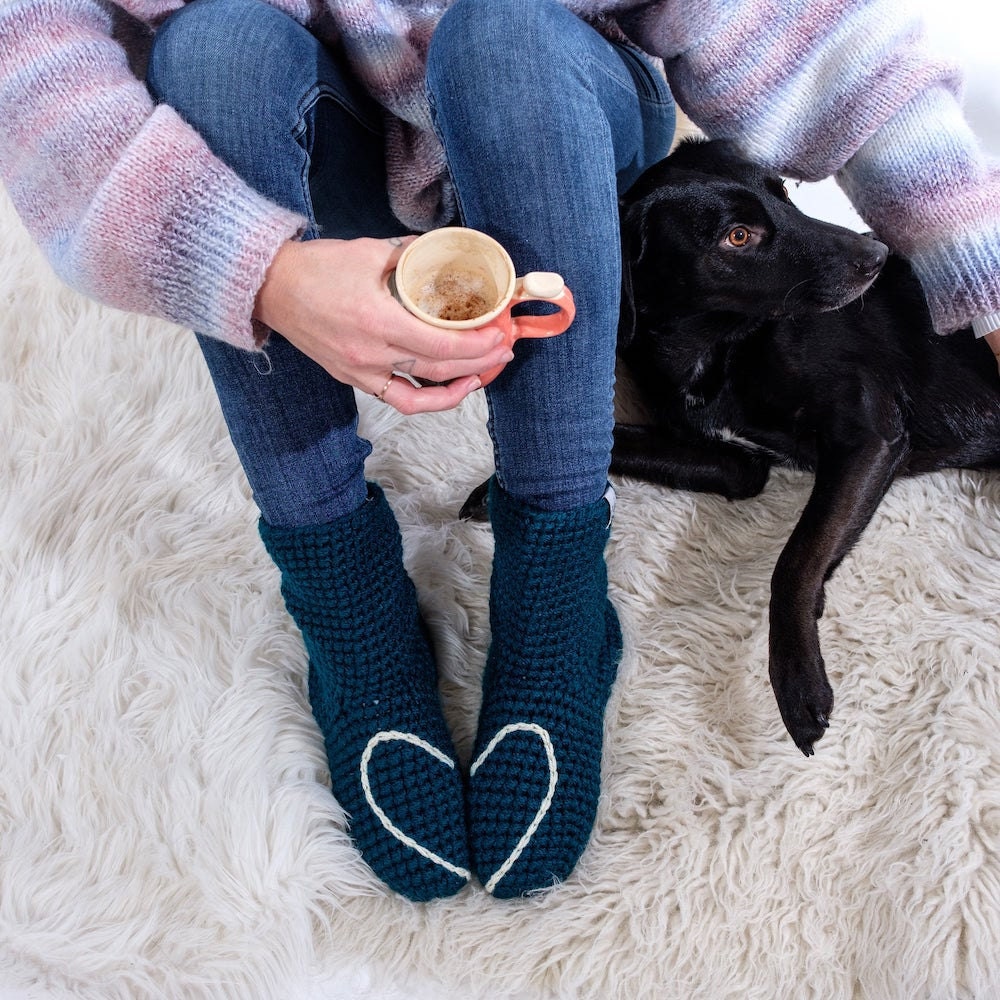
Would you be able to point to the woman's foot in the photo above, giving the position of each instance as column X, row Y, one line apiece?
column 556, row 642
column 373, row 691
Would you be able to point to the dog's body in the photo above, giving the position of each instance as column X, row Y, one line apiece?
column 758, row 336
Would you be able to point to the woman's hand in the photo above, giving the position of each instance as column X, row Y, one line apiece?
column 331, row 300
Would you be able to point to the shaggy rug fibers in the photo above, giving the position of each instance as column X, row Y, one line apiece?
column 165, row 831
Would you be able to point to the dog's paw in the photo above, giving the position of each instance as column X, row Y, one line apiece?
column 805, row 702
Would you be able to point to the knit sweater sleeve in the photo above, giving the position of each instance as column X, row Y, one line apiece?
column 126, row 201
column 848, row 88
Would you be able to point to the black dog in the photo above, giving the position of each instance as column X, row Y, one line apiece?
column 759, row 336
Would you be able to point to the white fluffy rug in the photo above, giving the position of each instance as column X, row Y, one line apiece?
column 164, row 827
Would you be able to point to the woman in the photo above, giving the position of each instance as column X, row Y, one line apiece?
column 251, row 169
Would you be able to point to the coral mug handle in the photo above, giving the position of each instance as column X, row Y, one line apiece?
column 536, row 286
column 542, row 286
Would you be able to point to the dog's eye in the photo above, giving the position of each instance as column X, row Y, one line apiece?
column 738, row 236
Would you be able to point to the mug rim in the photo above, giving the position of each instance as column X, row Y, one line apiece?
column 455, row 324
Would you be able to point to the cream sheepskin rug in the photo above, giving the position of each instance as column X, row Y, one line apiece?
column 165, row 830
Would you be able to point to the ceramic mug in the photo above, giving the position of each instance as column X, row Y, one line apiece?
column 460, row 278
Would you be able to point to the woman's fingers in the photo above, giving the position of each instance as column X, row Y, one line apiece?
column 452, row 360
column 440, row 344
column 403, row 395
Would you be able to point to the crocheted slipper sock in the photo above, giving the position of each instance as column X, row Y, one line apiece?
column 373, row 691
column 556, row 643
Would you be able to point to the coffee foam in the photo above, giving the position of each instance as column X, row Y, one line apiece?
column 457, row 294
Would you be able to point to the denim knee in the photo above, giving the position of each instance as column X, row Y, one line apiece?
column 213, row 59
column 259, row 88
column 485, row 27
column 501, row 18
column 197, row 39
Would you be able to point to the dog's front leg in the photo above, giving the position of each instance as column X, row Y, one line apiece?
column 850, row 483
column 688, row 462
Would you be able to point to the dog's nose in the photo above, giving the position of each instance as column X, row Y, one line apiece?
column 871, row 258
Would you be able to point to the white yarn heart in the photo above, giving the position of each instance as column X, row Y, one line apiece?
column 394, row 736
column 546, row 803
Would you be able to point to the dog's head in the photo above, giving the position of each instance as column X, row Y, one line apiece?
column 706, row 231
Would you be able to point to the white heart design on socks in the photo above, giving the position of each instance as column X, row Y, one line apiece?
column 546, row 803
column 394, row 736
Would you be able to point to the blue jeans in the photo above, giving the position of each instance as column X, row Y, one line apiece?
column 544, row 122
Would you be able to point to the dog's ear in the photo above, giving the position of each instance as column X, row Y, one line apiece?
column 651, row 180
column 710, row 156
column 626, row 314
column 715, row 157
column 633, row 245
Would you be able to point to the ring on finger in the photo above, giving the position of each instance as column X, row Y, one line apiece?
column 381, row 394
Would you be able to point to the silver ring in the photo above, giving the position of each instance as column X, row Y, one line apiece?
column 381, row 395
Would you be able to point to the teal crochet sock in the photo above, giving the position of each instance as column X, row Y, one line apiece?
column 373, row 690
column 556, row 643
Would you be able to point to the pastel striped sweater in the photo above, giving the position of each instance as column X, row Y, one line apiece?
column 131, row 208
